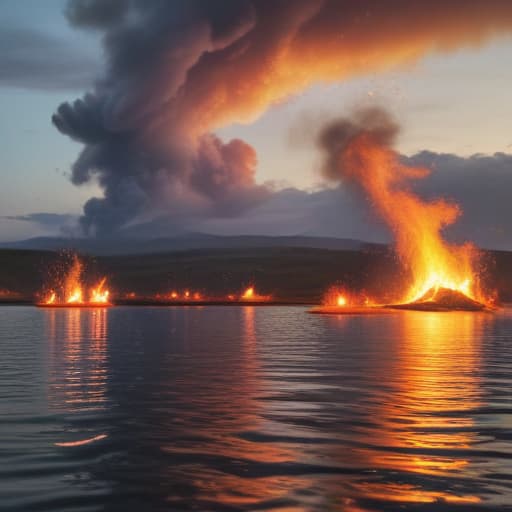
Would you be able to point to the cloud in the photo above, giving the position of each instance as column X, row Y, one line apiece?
column 32, row 59
column 176, row 71
column 45, row 219
column 480, row 184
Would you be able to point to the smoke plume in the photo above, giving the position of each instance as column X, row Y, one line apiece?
column 359, row 152
column 178, row 70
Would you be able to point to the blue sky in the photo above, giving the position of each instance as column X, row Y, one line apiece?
column 451, row 103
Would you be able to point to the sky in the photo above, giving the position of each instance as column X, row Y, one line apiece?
column 454, row 102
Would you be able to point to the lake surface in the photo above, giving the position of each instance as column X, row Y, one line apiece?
column 254, row 408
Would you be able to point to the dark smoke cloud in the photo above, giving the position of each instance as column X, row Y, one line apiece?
column 178, row 70
column 336, row 136
column 31, row 59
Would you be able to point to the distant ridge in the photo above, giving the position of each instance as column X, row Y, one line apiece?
column 182, row 242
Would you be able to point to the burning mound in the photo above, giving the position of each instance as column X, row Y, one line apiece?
column 442, row 299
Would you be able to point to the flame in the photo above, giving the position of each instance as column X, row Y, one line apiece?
column 71, row 289
column 337, row 296
column 73, row 282
column 76, row 296
column 341, row 301
column 248, row 294
column 99, row 294
column 416, row 224
column 186, row 295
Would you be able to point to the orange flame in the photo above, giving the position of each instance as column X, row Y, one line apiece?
column 416, row 224
column 250, row 295
column 72, row 290
column 186, row 295
column 341, row 301
column 341, row 297
column 99, row 294
column 73, row 282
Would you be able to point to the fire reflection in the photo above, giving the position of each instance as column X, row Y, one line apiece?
column 425, row 424
column 231, row 415
column 77, row 358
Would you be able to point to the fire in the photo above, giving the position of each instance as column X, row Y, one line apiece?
column 416, row 224
column 99, row 294
column 341, row 301
column 71, row 290
column 341, row 297
column 75, row 297
column 187, row 295
column 248, row 294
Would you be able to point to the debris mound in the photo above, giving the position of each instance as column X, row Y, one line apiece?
column 442, row 299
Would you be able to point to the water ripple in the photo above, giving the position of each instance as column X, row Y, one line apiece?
column 244, row 408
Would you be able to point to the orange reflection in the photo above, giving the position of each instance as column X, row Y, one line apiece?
column 77, row 358
column 234, row 411
column 424, row 423
column 81, row 442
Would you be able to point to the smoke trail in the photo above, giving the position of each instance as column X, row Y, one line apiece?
column 177, row 70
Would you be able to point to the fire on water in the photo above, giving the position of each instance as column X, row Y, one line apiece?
column 443, row 275
column 72, row 293
column 250, row 295
column 340, row 301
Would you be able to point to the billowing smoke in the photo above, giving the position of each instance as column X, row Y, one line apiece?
column 178, row 70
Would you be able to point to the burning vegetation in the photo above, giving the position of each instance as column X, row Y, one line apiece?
column 443, row 275
column 68, row 288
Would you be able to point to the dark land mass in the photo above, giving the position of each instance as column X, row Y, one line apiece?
column 183, row 242
column 288, row 274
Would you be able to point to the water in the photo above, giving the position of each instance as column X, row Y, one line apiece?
column 244, row 408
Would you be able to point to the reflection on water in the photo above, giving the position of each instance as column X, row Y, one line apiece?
column 251, row 408
column 227, row 397
column 426, row 423
column 77, row 341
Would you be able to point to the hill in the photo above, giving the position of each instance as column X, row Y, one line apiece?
column 183, row 242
